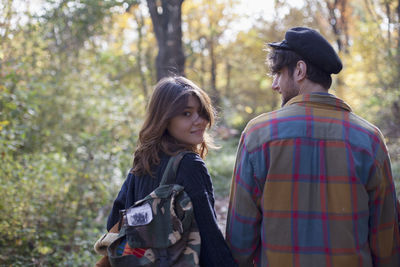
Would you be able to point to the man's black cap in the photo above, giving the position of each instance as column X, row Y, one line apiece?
column 313, row 47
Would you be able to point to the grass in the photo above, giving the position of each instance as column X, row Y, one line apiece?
column 394, row 150
column 396, row 176
column 220, row 163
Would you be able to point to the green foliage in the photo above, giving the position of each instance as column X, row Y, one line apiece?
column 220, row 163
column 70, row 23
column 48, row 209
column 394, row 151
column 67, row 132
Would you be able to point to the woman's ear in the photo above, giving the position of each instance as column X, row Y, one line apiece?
column 300, row 72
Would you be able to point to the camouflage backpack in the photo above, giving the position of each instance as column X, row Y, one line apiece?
column 159, row 230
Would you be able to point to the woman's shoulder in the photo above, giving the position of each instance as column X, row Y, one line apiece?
column 193, row 160
column 192, row 170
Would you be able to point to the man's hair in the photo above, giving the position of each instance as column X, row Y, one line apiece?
column 280, row 58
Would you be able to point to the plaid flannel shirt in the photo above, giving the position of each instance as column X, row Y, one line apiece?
column 312, row 186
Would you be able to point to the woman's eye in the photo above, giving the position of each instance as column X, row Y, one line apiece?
column 187, row 113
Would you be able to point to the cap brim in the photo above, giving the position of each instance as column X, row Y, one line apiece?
column 279, row 45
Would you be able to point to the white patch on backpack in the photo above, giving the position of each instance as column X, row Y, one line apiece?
column 141, row 215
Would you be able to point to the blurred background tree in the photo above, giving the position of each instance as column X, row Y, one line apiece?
column 75, row 77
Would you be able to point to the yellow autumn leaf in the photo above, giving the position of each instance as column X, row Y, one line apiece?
column 248, row 109
column 44, row 250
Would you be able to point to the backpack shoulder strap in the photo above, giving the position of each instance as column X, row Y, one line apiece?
column 169, row 174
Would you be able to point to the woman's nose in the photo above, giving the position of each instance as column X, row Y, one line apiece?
column 199, row 119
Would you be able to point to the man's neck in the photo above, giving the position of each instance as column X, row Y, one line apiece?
column 307, row 87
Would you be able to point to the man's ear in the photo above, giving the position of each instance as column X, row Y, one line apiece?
column 300, row 73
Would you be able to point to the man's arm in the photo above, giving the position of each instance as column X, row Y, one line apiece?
column 243, row 222
column 384, row 237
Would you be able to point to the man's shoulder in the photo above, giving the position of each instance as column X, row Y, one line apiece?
column 258, row 122
column 292, row 121
column 261, row 129
column 362, row 125
column 262, row 118
column 266, row 119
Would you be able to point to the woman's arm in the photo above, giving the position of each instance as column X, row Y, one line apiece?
column 193, row 175
column 119, row 203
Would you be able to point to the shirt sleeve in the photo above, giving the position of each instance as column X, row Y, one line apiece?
column 384, row 237
column 119, row 203
column 193, row 175
column 243, row 221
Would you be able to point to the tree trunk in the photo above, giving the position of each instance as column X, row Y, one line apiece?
column 339, row 24
column 396, row 104
column 202, row 71
column 139, row 56
column 228, row 79
column 213, row 69
column 398, row 43
column 167, row 24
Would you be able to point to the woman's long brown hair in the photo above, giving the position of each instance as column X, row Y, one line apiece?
column 168, row 100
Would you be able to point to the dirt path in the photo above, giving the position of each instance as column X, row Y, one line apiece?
column 221, row 208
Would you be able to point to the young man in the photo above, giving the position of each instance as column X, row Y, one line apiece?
column 312, row 184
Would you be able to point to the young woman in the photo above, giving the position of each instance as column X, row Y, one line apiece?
column 179, row 113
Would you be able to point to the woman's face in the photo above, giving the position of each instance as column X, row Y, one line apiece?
column 189, row 127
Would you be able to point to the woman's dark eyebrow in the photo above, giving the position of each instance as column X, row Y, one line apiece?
column 189, row 107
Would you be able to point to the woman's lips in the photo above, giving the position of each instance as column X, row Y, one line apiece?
column 198, row 131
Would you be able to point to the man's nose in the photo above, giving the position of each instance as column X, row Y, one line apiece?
column 275, row 85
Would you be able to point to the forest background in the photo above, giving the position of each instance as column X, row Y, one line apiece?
column 75, row 77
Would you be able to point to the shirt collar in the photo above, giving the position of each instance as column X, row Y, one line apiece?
column 323, row 99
